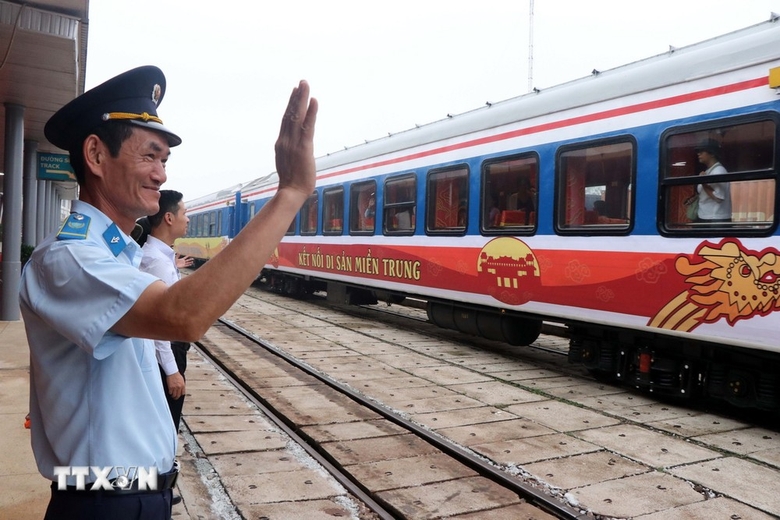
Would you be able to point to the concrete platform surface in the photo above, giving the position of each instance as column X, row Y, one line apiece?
column 217, row 421
column 24, row 493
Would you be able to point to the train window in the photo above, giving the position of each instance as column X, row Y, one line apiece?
column 594, row 188
column 400, row 205
column 212, row 229
column 742, row 154
column 362, row 208
column 447, row 207
column 200, row 224
column 509, row 194
column 332, row 211
column 291, row 228
column 219, row 223
column 309, row 215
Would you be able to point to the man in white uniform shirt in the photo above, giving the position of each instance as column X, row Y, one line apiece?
column 159, row 259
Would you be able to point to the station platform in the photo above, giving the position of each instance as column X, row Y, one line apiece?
column 221, row 439
column 24, row 493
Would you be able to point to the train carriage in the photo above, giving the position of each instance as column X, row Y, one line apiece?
column 571, row 204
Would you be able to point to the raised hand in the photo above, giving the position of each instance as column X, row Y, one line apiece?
column 295, row 145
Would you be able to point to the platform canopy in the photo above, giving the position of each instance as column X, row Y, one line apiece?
column 43, row 55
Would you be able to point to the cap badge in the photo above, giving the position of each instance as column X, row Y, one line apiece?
column 156, row 93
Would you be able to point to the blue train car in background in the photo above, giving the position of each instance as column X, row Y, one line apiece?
column 571, row 205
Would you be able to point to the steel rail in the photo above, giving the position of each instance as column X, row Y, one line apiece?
column 478, row 464
column 342, row 478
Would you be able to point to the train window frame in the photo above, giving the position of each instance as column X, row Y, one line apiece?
column 458, row 221
column 333, row 216
column 360, row 195
column 400, row 209
column 291, row 228
column 739, row 150
column 212, row 224
column 201, row 218
column 500, row 212
column 308, row 211
column 582, row 219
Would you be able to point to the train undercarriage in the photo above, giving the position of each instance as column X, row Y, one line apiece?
column 676, row 367
column 495, row 324
column 655, row 363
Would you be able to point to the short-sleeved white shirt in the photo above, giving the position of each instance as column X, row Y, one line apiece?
column 710, row 208
column 96, row 398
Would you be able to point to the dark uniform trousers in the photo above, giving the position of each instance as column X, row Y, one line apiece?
column 107, row 505
column 179, row 350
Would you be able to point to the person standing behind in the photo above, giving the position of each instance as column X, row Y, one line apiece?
column 159, row 259
column 714, row 197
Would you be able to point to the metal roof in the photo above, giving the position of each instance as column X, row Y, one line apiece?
column 43, row 55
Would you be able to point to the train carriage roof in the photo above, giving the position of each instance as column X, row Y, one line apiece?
column 749, row 46
column 753, row 45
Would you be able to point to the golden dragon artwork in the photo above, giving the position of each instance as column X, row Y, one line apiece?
column 726, row 281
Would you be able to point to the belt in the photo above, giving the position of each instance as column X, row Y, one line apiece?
column 180, row 344
column 165, row 481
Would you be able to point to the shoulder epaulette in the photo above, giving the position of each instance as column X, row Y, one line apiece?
column 75, row 227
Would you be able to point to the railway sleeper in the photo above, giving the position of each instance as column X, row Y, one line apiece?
column 677, row 368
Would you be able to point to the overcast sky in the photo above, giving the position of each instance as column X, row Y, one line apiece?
column 375, row 67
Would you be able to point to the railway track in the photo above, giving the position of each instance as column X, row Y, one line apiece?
column 366, row 490
column 527, row 416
